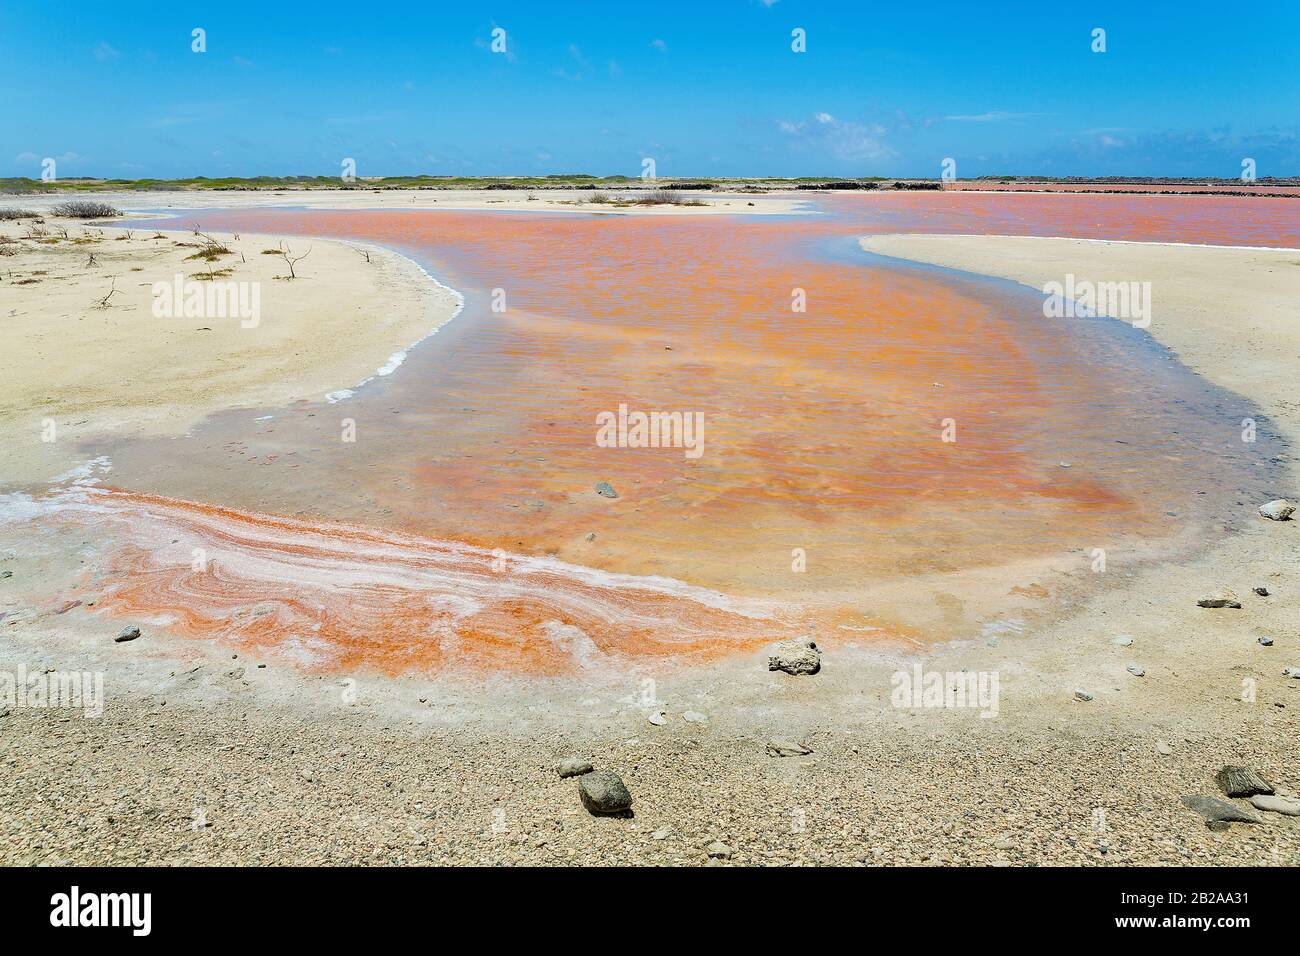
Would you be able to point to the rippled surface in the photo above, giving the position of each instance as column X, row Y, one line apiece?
column 823, row 435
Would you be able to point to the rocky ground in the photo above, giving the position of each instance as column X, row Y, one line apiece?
column 202, row 757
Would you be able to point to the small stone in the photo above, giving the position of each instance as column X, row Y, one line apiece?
column 591, row 536
column 717, row 850
column 1291, row 672
column 1081, row 694
column 129, row 633
column 1262, row 592
column 1136, row 671
column 1286, row 805
column 657, row 717
column 573, row 767
column 6, row 574
column 780, row 747
column 1215, row 810
column 306, row 775
column 1123, row 641
column 1241, row 782
column 694, row 717
column 602, row 791
column 605, row 490
column 1278, row 509
column 798, row 655
column 1004, row 843
column 1163, row 748
column 661, row 834
column 1223, row 597
column 1265, row 641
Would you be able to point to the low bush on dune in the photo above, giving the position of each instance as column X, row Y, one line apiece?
column 9, row 214
column 86, row 209
column 666, row 197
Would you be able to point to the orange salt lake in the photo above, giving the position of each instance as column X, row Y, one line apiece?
column 462, row 528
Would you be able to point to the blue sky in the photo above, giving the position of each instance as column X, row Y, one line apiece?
column 705, row 88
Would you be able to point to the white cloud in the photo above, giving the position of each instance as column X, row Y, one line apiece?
column 993, row 116
column 841, row 139
column 105, row 52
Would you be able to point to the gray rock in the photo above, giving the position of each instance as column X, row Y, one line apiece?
column 717, row 850
column 602, row 791
column 1123, row 641
column 1262, row 592
column 129, row 633
column 780, row 747
column 1266, row 641
column 1286, row 805
column 1241, row 782
column 1278, row 509
column 1136, row 671
column 605, row 490
column 798, row 655
column 662, row 833
column 573, row 767
column 1222, row 597
column 694, row 717
column 6, row 574
column 657, row 717
column 1217, row 811
column 1163, row 748
column 1081, row 694
column 1291, row 671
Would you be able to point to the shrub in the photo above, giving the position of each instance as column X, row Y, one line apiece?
column 86, row 209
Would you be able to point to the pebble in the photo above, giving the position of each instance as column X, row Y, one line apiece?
column 780, row 747
column 1081, row 694
column 1262, row 592
column 1266, row 641
column 573, row 767
column 1241, row 782
column 657, row 717
column 602, row 791
column 1123, row 641
column 1004, row 843
column 127, row 634
column 661, row 834
column 605, row 490
column 1286, row 805
column 1136, row 671
column 1278, row 509
column 694, row 717
column 798, row 655
column 1217, row 811
column 717, row 850
column 1223, row 597
column 1291, row 672
column 1163, row 748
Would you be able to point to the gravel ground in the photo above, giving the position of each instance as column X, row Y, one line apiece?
column 155, row 783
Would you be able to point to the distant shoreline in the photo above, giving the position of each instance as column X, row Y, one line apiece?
column 1266, row 186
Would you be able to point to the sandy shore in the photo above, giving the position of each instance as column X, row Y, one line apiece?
column 701, row 203
column 99, row 341
column 1227, row 313
column 204, row 757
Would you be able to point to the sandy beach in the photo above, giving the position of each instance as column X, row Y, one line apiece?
column 620, row 201
column 101, row 339
column 208, row 755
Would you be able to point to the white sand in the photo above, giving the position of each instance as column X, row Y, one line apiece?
column 91, row 365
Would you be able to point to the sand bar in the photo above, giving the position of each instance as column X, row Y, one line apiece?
column 90, row 352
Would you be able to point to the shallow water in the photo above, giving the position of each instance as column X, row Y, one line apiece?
column 823, row 438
